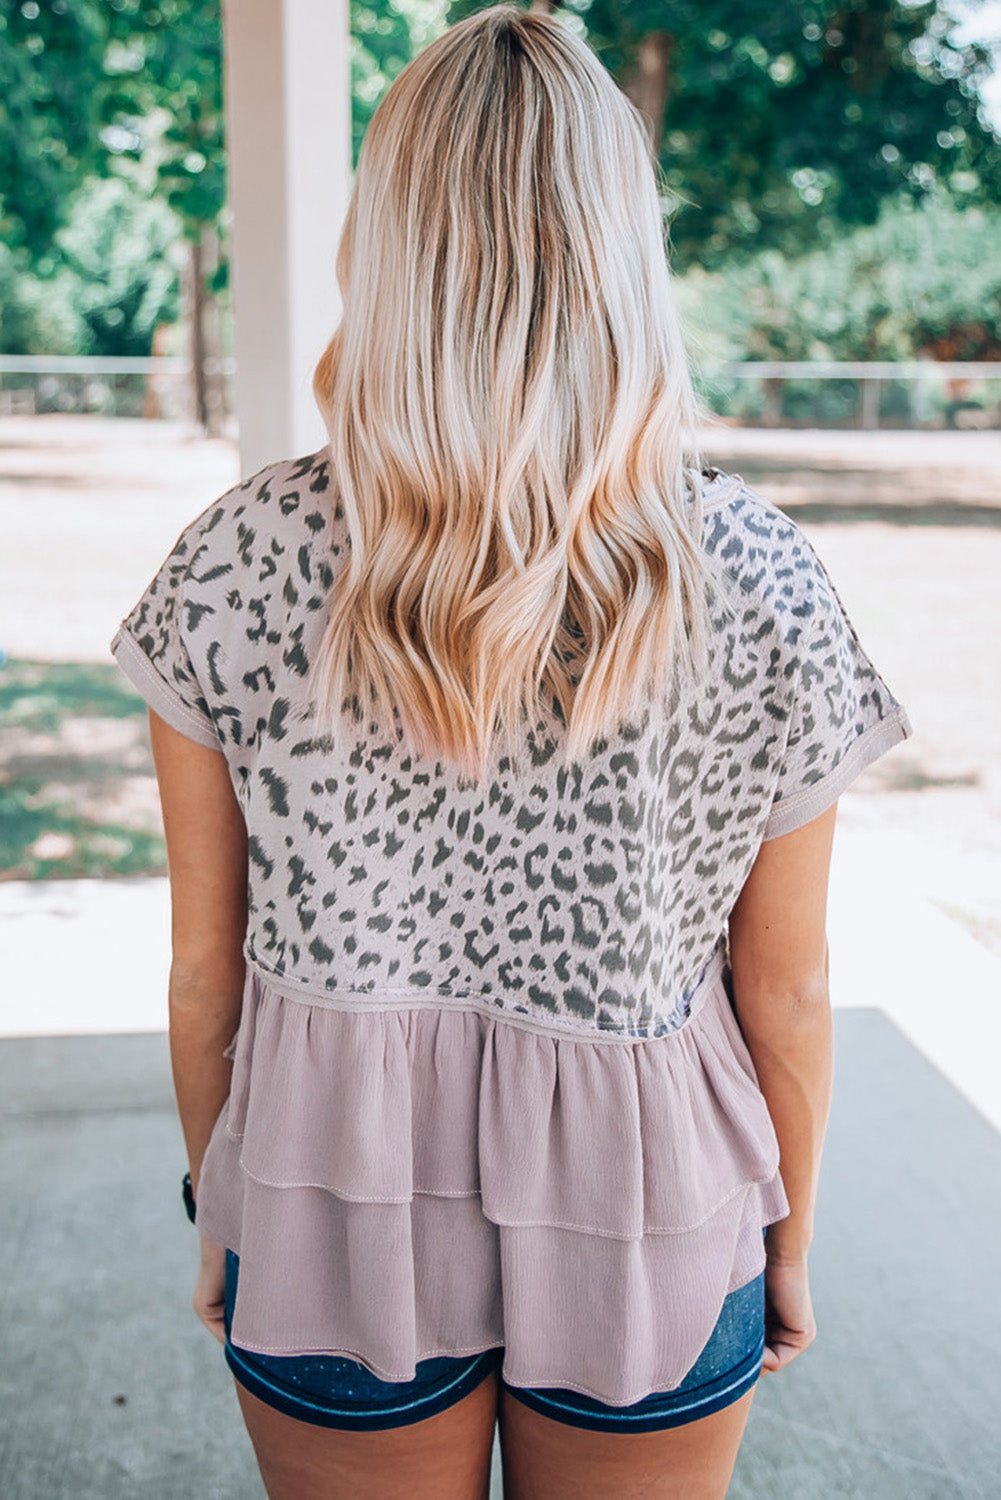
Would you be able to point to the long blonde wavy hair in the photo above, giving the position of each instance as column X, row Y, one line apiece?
column 509, row 408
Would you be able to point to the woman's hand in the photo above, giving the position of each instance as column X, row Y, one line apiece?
column 210, row 1289
column 789, row 1322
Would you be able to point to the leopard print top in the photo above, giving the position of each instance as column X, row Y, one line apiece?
column 588, row 900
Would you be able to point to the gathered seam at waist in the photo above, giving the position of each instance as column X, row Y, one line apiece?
column 366, row 1001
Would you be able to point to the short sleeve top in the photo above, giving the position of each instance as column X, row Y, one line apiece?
column 589, row 899
column 488, row 1057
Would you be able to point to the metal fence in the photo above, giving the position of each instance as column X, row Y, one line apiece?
column 835, row 393
column 924, row 393
column 158, row 386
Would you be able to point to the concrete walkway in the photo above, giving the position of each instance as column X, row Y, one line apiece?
column 112, row 1390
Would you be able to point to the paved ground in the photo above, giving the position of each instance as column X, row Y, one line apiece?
column 89, row 507
column 110, row 1388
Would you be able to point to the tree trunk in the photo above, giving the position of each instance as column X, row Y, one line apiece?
column 152, row 404
column 649, row 83
column 215, row 380
column 196, row 316
column 772, row 414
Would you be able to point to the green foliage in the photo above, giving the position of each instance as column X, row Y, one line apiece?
column 785, row 122
column 922, row 274
column 36, row 316
column 780, row 131
column 115, row 252
column 55, row 817
column 163, row 86
column 87, row 85
column 51, row 59
column 107, row 281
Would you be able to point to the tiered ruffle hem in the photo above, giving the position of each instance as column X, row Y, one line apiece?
column 430, row 1179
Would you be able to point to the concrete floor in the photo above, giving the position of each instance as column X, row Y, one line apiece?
column 111, row 1389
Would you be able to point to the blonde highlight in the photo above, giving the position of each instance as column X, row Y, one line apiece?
column 509, row 409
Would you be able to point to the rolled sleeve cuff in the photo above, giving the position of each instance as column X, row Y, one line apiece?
column 158, row 693
column 793, row 812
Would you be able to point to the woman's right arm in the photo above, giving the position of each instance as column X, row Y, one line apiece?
column 779, row 961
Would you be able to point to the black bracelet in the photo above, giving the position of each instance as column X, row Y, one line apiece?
column 188, row 1196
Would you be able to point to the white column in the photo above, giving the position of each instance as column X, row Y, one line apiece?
column 288, row 122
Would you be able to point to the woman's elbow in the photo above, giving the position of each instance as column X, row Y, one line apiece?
column 766, row 1003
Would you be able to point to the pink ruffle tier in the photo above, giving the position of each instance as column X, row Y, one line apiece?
column 430, row 1179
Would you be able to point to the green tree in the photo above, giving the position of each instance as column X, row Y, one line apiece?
column 51, row 62
column 164, row 96
column 924, row 278
column 164, row 89
column 776, row 125
column 116, row 259
column 111, row 278
column 36, row 316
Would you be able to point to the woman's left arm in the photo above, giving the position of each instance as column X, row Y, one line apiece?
column 207, row 861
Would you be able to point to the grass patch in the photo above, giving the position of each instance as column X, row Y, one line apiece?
column 39, row 695
column 72, row 736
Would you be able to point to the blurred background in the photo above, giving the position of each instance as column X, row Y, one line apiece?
column 832, row 192
column 832, row 188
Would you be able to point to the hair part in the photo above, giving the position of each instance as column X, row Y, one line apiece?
column 509, row 408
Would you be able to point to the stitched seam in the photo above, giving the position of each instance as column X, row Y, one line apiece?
column 751, row 1360
column 136, row 658
column 865, row 748
column 302, row 1398
column 353, row 1354
column 286, row 988
column 611, row 1234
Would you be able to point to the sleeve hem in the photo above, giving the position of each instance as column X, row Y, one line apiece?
column 794, row 812
column 162, row 698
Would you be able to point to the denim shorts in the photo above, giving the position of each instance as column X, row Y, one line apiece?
column 331, row 1390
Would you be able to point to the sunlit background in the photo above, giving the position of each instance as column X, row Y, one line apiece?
column 833, row 183
column 832, row 190
column 832, row 193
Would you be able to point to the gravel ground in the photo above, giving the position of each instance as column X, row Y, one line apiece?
column 908, row 523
